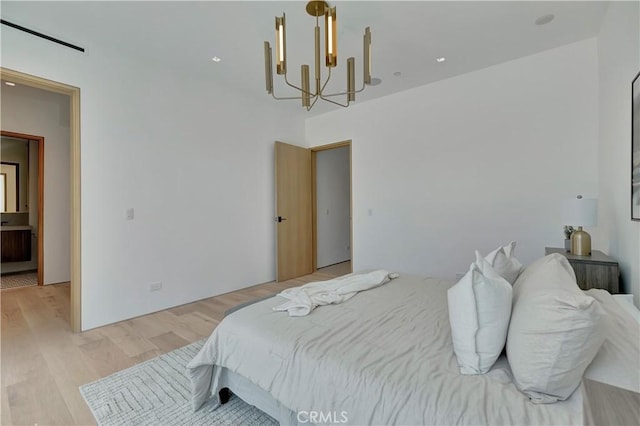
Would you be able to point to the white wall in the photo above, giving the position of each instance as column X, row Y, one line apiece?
column 33, row 198
column 179, row 150
column 333, row 206
column 35, row 112
column 470, row 162
column 618, row 63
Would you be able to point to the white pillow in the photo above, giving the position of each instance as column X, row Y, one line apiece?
column 505, row 263
column 479, row 311
column 555, row 331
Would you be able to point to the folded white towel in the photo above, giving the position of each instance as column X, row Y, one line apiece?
column 304, row 299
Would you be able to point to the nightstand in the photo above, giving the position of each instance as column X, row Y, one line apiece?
column 594, row 271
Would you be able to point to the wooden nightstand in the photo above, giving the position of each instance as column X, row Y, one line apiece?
column 595, row 271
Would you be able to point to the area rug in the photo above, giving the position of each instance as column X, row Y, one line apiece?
column 19, row 280
column 158, row 392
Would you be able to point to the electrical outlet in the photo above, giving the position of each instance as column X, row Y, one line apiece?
column 155, row 286
column 129, row 213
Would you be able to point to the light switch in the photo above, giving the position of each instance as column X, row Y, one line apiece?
column 129, row 213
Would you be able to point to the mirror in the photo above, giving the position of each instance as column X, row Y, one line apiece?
column 635, row 148
column 14, row 175
column 10, row 190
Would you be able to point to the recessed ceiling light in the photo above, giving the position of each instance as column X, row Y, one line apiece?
column 8, row 83
column 216, row 59
column 545, row 19
column 441, row 59
column 397, row 73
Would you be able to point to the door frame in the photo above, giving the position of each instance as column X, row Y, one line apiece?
column 40, row 235
column 74, row 126
column 314, row 201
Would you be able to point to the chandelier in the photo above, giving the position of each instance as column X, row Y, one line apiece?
column 307, row 96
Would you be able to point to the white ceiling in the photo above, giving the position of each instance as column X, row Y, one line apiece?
column 407, row 36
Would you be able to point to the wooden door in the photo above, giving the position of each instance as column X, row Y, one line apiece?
column 294, row 242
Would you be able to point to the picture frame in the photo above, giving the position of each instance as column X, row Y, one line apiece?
column 635, row 148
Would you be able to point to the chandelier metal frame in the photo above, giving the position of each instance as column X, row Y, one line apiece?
column 308, row 97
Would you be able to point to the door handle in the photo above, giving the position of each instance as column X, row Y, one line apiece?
column 280, row 219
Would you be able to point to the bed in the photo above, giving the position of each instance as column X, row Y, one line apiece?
column 383, row 357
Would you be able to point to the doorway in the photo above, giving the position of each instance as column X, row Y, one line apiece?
column 296, row 214
column 74, row 117
column 27, row 207
column 331, row 195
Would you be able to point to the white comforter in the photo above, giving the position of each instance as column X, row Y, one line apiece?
column 304, row 299
column 383, row 357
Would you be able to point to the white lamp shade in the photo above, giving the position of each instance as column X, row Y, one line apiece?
column 581, row 212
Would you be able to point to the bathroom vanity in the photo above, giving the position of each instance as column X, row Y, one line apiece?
column 15, row 243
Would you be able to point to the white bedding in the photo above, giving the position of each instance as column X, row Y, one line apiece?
column 383, row 357
column 304, row 299
column 618, row 361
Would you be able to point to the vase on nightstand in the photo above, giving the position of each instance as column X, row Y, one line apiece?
column 567, row 245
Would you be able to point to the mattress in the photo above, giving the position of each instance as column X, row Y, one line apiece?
column 383, row 357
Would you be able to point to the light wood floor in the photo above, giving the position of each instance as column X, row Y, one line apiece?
column 43, row 363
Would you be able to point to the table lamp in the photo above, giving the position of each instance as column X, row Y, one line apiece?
column 581, row 212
